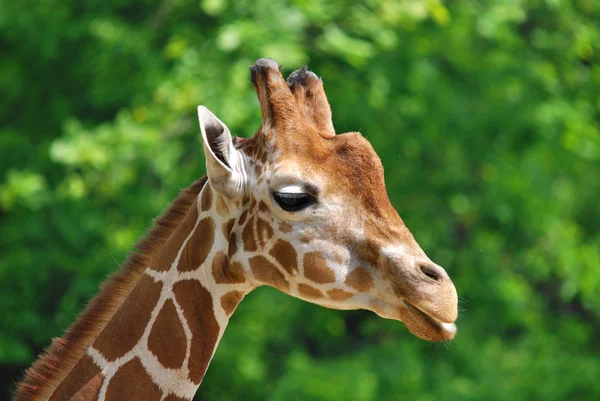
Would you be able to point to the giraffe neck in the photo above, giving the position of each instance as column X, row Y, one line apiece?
column 158, row 344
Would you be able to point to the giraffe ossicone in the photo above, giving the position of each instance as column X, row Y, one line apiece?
column 296, row 207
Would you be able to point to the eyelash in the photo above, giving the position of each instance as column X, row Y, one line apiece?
column 294, row 202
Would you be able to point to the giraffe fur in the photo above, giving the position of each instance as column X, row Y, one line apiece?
column 152, row 331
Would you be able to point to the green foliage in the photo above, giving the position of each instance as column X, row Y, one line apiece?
column 485, row 114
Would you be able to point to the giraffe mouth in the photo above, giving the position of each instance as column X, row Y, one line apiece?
column 424, row 325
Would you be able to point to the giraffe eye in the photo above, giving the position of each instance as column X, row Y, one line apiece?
column 293, row 201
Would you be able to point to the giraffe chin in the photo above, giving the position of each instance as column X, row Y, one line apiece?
column 425, row 326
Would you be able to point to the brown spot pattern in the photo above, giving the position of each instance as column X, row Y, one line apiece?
column 196, row 250
column 248, row 236
column 230, row 300
column 84, row 374
column 285, row 227
column 267, row 273
column 264, row 231
column 286, row 256
column 339, row 295
column 224, row 273
column 262, row 206
column 206, row 199
column 309, row 292
column 167, row 254
column 243, row 217
column 197, row 305
column 367, row 250
column 127, row 325
column 360, row 279
column 233, row 245
column 227, row 227
column 237, row 275
column 222, row 207
column 167, row 340
column 131, row 382
column 219, row 268
column 316, row 269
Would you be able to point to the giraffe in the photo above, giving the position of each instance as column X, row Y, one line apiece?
column 296, row 207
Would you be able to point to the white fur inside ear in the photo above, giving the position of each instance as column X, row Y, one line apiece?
column 224, row 164
column 292, row 189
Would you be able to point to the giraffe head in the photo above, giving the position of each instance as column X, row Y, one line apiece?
column 311, row 212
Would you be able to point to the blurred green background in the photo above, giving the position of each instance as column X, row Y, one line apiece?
column 485, row 114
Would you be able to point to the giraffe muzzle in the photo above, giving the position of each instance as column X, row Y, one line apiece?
column 430, row 308
column 426, row 326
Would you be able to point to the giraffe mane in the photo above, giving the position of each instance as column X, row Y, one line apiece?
column 55, row 363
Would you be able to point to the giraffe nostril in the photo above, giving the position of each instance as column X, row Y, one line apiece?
column 430, row 272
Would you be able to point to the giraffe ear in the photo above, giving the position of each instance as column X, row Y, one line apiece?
column 224, row 163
